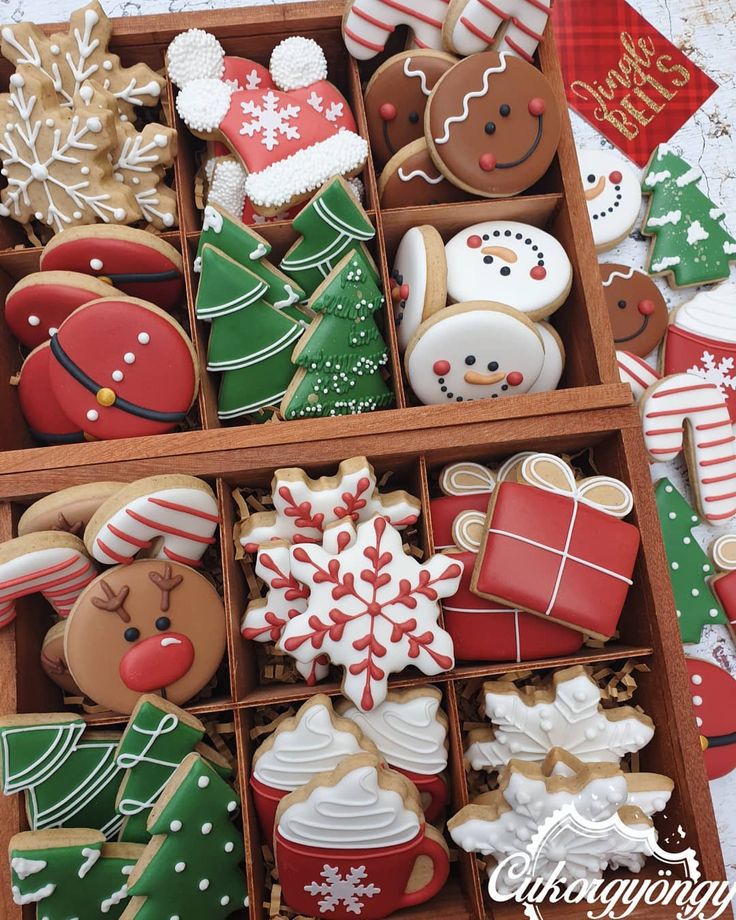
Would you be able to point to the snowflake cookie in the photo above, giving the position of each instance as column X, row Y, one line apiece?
column 529, row 722
column 68, row 59
column 372, row 609
column 57, row 161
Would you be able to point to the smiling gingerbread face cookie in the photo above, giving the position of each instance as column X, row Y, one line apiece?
column 493, row 125
column 613, row 195
column 396, row 98
column 411, row 179
column 636, row 308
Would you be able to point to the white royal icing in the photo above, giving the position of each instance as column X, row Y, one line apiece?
column 512, row 26
column 297, row 62
column 504, row 275
column 636, row 372
column 475, row 94
column 410, row 269
column 419, row 74
column 711, row 314
column 313, row 746
column 24, row 867
column 194, row 55
column 355, row 813
column 613, row 207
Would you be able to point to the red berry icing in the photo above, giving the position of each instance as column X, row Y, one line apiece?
column 515, row 378
column 487, row 162
column 538, row 273
column 387, row 111
column 616, row 177
column 474, row 242
column 441, row 368
column 537, row 106
column 646, row 307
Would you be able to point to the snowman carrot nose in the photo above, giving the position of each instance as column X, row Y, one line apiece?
column 501, row 252
column 484, row 380
column 597, row 190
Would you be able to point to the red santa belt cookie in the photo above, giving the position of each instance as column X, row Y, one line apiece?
column 123, row 368
column 493, row 125
column 47, row 421
column 53, row 564
column 136, row 262
column 714, row 702
column 39, row 303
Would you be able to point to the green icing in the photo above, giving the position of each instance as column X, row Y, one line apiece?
column 690, row 238
column 241, row 244
column 84, row 881
column 330, row 225
column 689, row 567
column 32, row 752
column 192, row 867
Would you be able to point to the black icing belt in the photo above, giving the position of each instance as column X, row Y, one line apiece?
column 89, row 384
column 76, row 438
column 140, row 277
column 721, row 741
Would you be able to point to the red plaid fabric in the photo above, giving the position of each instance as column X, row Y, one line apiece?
column 624, row 77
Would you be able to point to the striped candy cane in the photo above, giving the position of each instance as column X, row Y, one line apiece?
column 683, row 407
column 367, row 24
column 636, row 372
column 511, row 26
column 59, row 572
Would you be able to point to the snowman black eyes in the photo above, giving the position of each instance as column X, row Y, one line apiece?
column 622, row 304
column 505, row 111
column 470, row 360
column 414, row 117
column 493, row 366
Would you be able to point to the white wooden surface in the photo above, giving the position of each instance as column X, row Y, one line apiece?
column 706, row 31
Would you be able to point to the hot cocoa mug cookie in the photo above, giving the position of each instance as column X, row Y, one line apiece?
column 493, row 125
column 636, row 308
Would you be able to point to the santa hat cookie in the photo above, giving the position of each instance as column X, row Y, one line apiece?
column 293, row 131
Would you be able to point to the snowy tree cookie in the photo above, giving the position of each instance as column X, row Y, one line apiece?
column 613, row 195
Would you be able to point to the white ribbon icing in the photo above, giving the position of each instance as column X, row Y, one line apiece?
column 711, row 314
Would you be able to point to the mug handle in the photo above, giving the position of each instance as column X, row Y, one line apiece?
column 433, row 846
column 437, row 790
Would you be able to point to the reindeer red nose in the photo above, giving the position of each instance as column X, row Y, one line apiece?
column 156, row 662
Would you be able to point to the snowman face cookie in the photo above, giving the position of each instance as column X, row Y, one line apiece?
column 510, row 263
column 474, row 351
column 418, row 279
column 613, row 194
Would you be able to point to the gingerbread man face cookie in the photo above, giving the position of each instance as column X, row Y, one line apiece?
column 411, row 179
column 493, row 125
column 636, row 308
column 146, row 627
column 613, row 194
column 396, row 99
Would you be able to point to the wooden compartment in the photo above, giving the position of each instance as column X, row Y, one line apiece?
column 556, row 201
column 648, row 630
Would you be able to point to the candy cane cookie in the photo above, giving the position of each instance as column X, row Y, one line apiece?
column 367, row 24
column 683, row 412
column 512, row 26
column 636, row 372
column 52, row 564
column 161, row 517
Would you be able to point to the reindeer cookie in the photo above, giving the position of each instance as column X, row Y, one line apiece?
column 146, row 627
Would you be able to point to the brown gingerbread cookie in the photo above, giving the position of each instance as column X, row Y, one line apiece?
column 147, row 627
column 396, row 97
column 410, row 179
column 637, row 309
column 53, row 662
column 68, row 510
column 493, row 125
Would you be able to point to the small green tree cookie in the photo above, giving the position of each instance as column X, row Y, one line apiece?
column 71, row 874
column 191, row 869
column 689, row 566
column 341, row 355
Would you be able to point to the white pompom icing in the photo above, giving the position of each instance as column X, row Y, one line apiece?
column 227, row 187
column 202, row 104
column 194, row 55
column 297, row 62
column 304, row 172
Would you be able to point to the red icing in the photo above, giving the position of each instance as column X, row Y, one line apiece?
column 474, row 242
column 537, row 106
column 724, row 587
column 50, row 303
column 683, row 350
column 266, row 799
column 717, row 713
column 646, row 307
column 156, row 662
column 487, row 162
column 589, row 599
column 118, row 256
column 250, row 217
column 241, row 71
column 434, row 787
column 38, row 402
column 441, row 368
column 387, row 111
column 538, row 273
column 162, row 378
column 515, row 378
column 616, row 177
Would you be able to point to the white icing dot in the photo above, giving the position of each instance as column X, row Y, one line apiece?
column 93, row 415
column 672, row 515
column 94, row 124
column 229, row 847
column 204, row 884
column 697, row 679
column 175, row 826
column 77, row 215
column 117, row 376
column 129, row 357
column 695, row 592
column 107, row 65
column 53, row 330
column 144, row 338
column 697, row 701
column 50, row 122
column 206, row 828
column 669, row 488
column 225, row 900
column 713, row 612
column 231, row 806
column 96, row 264
column 686, row 541
column 84, row 170
column 34, row 320
column 160, row 140
column 675, row 566
column 54, row 49
column 119, row 213
column 698, row 721
column 180, row 867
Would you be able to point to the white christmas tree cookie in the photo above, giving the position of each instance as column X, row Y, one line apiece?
column 528, row 722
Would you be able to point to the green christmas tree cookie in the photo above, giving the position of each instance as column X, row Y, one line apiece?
column 691, row 241
column 191, row 869
column 158, row 738
column 71, row 874
column 243, row 245
column 330, row 225
column 341, row 355
column 69, row 775
column 689, row 566
column 250, row 341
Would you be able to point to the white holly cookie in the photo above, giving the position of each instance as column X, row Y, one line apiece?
column 304, row 507
column 480, row 350
column 419, row 279
column 372, row 609
column 161, row 517
column 508, row 26
column 367, row 24
column 613, row 193
column 511, row 263
column 527, row 723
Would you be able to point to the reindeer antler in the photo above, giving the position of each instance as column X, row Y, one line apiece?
column 112, row 602
column 64, row 524
column 166, row 584
column 54, row 665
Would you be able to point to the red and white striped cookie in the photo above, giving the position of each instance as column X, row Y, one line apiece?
column 684, row 412
column 52, row 564
column 507, row 26
column 367, row 24
column 636, row 372
column 162, row 517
